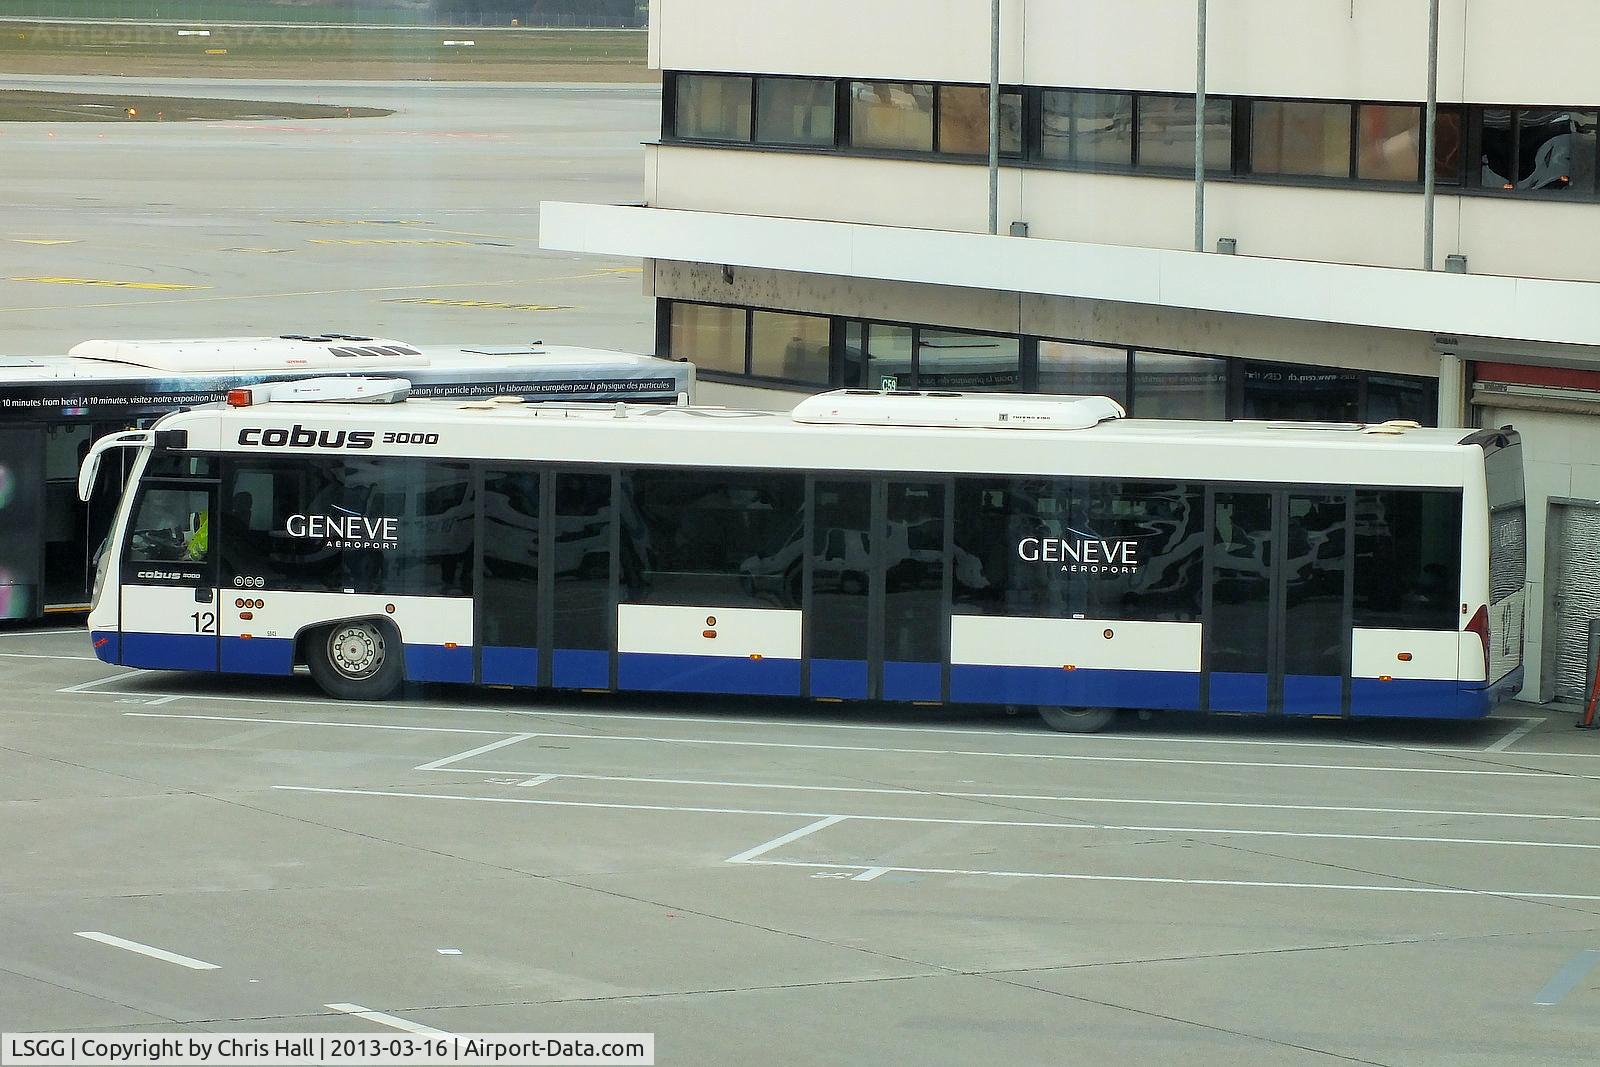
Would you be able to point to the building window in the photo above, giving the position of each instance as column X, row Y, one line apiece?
column 1289, row 393
column 1166, row 133
column 712, row 107
column 789, row 346
column 1087, row 129
column 1449, row 142
column 964, row 121
column 952, row 359
column 794, row 111
column 1167, row 385
column 1538, row 149
column 1083, row 370
column 891, row 115
column 1388, row 142
column 889, row 349
column 1300, row 138
column 710, row 337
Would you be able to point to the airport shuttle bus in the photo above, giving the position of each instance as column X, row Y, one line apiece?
column 1038, row 552
column 53, row 408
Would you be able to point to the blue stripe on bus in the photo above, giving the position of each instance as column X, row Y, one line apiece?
column 1238, row 692
column 258, row 655
column 1410, row 698
column 580, row 668
column 170, row 652
column 661, row 673
column 911, row 681
column 1052, row 686
column 436, row 663
column 107, row 645
column 843, row 679
column 1313, row 694
column 509, row 666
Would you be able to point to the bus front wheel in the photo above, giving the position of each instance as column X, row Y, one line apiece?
column 356, row 660
column 1077, row 720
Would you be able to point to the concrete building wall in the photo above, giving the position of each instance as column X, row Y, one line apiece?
column 1523, row 238
column 1491, row 51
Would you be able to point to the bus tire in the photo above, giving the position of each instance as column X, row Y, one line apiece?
column 1077, row 720
column 358, row 659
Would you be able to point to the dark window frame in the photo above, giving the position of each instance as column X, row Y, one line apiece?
column 1459, row 183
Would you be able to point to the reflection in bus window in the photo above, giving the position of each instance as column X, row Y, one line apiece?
column 1079, row 548
column 171, row 526
column 1408, row 559
column 333, row 523
column 712, row 537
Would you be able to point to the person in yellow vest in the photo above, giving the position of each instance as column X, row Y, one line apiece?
column 199, row 542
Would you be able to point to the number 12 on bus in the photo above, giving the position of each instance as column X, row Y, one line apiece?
column 1037, row 552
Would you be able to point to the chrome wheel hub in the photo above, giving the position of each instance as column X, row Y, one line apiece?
column 356, row 651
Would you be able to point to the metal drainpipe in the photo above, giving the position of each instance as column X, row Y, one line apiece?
column 1200, row 129
column 994, row 116
column 1430, row 136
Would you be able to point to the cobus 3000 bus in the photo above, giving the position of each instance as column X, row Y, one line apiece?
column 941, row 548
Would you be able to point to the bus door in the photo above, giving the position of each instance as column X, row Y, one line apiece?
column 169, row 602
column 1277, row 602
column 877, row 590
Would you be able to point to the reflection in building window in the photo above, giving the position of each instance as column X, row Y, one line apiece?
column 1170, row 386
column 950, row 359
column 796, row 111
column 785, row 345
column 1448, row 146
column 1300, row 138
column 1390, row 397
column 1087, row 128
column 1083, row 370
column 1166, row 133
column 1388, row 143
column 1282, row 392
column 1527, row 149
column 964, row 121
column 712, row 107
column 889, row 362
column 710, row 337
column 892, row 115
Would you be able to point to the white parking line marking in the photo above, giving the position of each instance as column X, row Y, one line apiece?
column 778, row 842
column 147, row 950
column 383, row 1018
column 40, row 655
column 1528, row 726
column 84, row 630
column 870, row 873
column 539, row 779
column 958, row 794
column 440, row 764
column 1423, row 890
column 1063, row 756
column 308, row 722
column 84, row 687
column 829, row 818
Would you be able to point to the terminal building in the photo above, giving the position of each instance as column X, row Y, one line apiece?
column 818, row 214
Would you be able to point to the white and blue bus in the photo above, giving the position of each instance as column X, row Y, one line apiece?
column 1040, row 552
column 52, row 408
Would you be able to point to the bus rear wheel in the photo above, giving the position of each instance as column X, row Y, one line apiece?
column 356, row 660
column 1078, row 720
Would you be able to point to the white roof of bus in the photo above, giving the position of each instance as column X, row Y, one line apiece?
column 220, row 356
column 720, row 437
